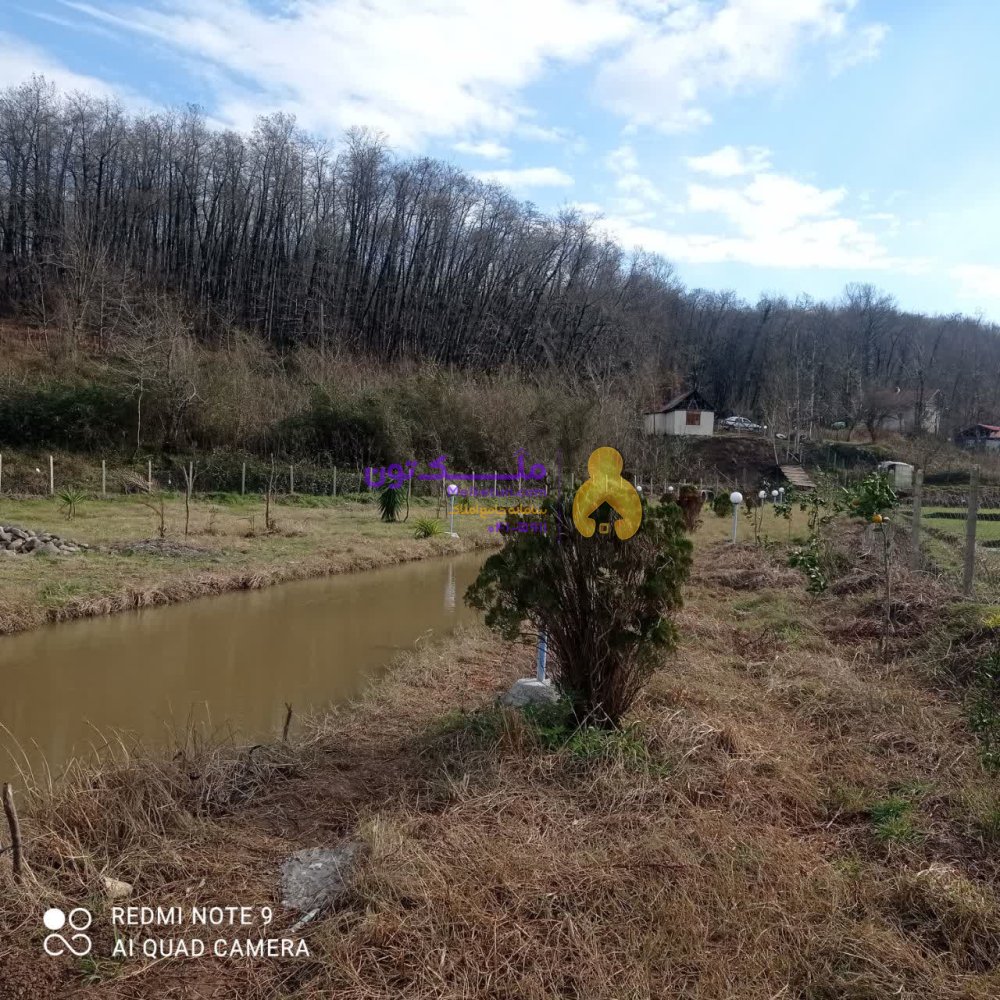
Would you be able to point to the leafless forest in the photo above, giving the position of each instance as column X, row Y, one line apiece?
column 143, row 240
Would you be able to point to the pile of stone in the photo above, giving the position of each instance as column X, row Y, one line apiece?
column 15, row 541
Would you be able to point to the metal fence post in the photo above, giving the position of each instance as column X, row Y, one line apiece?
column 918, row 500
column 970, row 533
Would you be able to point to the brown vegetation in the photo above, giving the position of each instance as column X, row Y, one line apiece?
column 783, row 816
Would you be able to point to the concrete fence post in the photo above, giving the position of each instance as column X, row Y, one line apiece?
column 52, row 477
column 243, row 480
column 968, row 576
column 918, row 501
column 104, row 477
column 291, row 479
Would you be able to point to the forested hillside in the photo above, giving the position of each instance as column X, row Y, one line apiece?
column 124, row 235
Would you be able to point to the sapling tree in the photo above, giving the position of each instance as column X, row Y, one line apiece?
column 605, row 604
column 809, row 557
column 874, row 501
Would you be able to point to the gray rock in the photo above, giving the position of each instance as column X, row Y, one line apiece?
column 8, row 552
column 530, row 691
column 17, row 545
column 5, row 536
column 31, row 544
column 70, row 548
column 48, row 549
column 18, row 532
column 313, row 879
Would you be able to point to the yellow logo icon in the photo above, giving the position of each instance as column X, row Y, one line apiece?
column 606, row 484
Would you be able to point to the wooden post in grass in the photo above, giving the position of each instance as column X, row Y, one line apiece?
column 243, row 480
column 19, row 865
column 104, row 477
column 335, row 480
column 149, row 475
column 52, row 477
column 291, row 479
column 918, row 500
column 1, row 472
column 970, row 533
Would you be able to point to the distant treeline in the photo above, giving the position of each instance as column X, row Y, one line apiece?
column 123, row 234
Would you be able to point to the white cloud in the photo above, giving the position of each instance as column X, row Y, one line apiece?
column 768, row 220
column 22, row 59
column 977, row 281
column 529, row 177
column 864, row 47
column 487, row 149
column 413, row 69
column 636, row 193
column 729, row 161
column 689, row 51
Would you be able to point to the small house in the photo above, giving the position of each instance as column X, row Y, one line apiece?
column 689, row 413
column 985, row 436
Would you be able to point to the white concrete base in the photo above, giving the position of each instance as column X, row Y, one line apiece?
column 453, row 534
column 530, row 691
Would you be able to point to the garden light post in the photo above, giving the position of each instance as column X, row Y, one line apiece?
column 452, row 490
column 774, row 496
column 735, row 499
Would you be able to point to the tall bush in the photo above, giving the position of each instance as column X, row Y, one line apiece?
column 606, row 605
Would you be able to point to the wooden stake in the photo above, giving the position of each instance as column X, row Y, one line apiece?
column 970, row 533
column 335, row 480
column 243, row 480
column 288, row 722
column 149, row 475
column 291, row 479
column 52, row 477
column 1, row 472
column 918, row 500
column 20, row 866
column 104, row 477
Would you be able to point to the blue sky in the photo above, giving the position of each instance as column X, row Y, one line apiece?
column 782, row 146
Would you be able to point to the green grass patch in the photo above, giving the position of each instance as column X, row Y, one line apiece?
column 892, row 821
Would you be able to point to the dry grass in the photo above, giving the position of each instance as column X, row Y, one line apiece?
column 786, row 817
column 122, row 572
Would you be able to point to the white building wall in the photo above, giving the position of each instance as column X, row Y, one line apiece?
column 675, row 423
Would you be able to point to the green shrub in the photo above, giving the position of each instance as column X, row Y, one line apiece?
column 722, row 506
column 606, row 604
column 82, row 417
column 428, row 527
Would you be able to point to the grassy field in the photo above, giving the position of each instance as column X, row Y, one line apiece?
column 227, row 549
column 784, row 815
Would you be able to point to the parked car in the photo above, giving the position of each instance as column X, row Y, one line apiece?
column 741, row 424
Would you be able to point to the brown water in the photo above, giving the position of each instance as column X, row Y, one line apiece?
column 234, row 659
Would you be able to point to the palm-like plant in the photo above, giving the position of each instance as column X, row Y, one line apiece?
column 390, row 503
column 428, row 527
column 71, row 498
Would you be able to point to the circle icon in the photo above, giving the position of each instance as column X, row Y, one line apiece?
column 54, row 919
